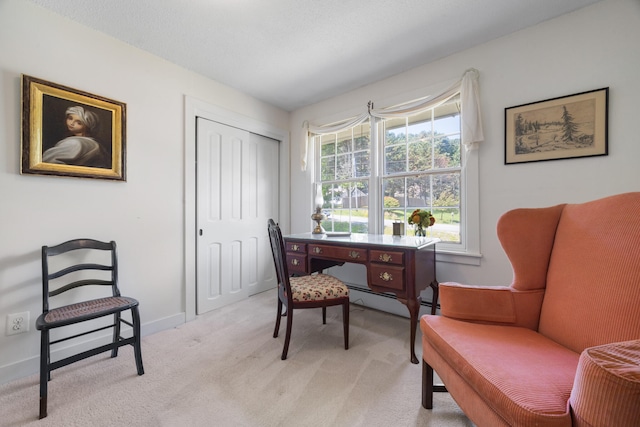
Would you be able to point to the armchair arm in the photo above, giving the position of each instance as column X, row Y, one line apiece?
column 606, row 391
column 491, row 304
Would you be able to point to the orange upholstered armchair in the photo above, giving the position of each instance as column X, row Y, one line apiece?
column 560, row 346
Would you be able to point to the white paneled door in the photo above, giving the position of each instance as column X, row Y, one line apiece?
column 237, row 192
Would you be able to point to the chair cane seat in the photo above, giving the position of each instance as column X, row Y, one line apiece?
column 84, row 310
column 317, row 287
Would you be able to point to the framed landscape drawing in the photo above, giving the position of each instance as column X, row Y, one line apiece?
column 559, row 128
column 68, row 132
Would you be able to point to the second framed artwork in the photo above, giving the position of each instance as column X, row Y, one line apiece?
column 69, row 132
column 559, row 128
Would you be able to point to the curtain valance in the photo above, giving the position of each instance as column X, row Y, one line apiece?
column 467, row 86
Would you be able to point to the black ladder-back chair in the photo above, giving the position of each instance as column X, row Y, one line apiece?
column 317, row 290
column 81, row 311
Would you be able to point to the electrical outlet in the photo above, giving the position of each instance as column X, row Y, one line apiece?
column 17, row 323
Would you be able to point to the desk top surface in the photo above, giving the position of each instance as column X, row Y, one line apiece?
column 410, row 242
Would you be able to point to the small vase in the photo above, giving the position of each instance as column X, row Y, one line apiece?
column 420, row 231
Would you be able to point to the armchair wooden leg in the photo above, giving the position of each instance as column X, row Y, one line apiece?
column 427, row 385
column 324, row 315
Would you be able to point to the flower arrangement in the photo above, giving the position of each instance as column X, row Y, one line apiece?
column 421, row 219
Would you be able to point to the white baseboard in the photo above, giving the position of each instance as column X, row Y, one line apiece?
column 31, row 365
column 383, row 303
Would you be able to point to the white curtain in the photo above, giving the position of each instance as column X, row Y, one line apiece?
column 467, row 87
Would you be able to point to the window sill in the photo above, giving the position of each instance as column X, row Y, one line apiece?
column 466, row 258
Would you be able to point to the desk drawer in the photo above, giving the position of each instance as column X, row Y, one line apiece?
column 343, row 254
column 296, row 247
column 296, row 264
column 387, row 257
column 386, row 276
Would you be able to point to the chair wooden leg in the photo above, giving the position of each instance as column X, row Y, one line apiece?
column 287, row 338
column 345, row 324
column 324, row 315
column 137, row 345
column 278, row 317
column 116, row 333
column 44, row 371
column 427, row 385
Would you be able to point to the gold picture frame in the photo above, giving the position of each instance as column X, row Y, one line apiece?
column 72, row 133
column 560, row 128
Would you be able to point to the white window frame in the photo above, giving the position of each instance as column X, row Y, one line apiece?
column 465, row 252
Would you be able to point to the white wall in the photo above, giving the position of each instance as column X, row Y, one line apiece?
column 144, row 215
column 589, row 49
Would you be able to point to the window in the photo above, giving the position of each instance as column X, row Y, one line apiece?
column 377, row 167
column 422, row 169
column 345, row 172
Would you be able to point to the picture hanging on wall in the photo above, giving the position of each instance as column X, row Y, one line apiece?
column 69, row 132
column 559, row 128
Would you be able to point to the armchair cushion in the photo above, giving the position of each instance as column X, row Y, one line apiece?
column 606, row 391
column 524, row 388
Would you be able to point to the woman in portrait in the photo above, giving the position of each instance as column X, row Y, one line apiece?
column 80, row 148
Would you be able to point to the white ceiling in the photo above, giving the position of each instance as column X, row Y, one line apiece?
column 292, row 53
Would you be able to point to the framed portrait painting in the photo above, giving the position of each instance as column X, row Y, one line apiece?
column 69, row 132
column 559, row 128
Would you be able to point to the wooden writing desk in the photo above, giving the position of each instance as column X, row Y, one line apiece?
column 403, row 266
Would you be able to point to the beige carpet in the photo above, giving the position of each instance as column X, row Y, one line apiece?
column 224, row 369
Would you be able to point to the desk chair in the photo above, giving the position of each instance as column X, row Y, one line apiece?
column 317, row 290
column 68, row 276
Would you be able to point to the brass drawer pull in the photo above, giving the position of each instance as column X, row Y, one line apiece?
column 386, row 277
column 354, row 254
column 295, row 262
column 385, row 258
column 295, row 247
column 317, row 250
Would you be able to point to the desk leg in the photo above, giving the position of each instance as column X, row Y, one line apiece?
column 436, row 294
column 414, row 308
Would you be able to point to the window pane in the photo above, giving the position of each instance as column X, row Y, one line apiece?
column 418, row 191
column 420, row 157
column 328, row 145
column 393, row 188
column 446, row 207
column 418, row 130
column 350, row 207
column 447, row 152
column 344, row 142
column 396, row 131
column 447, row 125
column 393, row 191
column 395, row 159
column 344, row 166
column 361, row 163
column 328, row 168
column 361, row 137
column 447, row 117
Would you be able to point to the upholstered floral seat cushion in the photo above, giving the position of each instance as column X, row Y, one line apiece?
column 317, row 287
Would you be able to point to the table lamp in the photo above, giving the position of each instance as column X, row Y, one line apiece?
column 318, row 216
